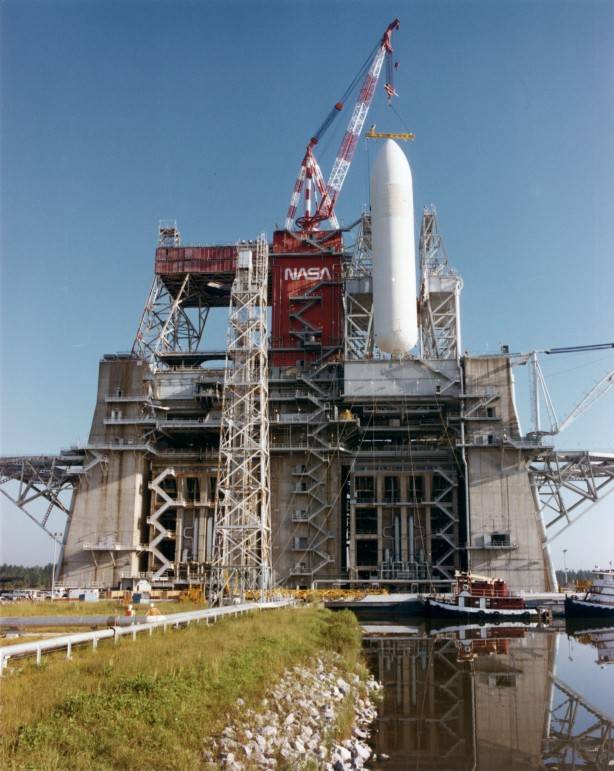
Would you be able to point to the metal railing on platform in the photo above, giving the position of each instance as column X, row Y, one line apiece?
column 175, row 620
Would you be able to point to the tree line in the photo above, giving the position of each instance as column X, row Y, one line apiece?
column 573, row 576
column 20, row 577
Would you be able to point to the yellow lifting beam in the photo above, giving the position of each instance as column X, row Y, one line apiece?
column 373, row 134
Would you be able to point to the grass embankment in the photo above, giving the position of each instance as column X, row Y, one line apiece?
column 152, row 703
column 101, row 608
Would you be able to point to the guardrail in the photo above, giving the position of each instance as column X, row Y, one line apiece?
column 175, row 620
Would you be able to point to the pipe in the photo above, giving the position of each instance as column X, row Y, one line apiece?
column 67, row 641
column 18, row 621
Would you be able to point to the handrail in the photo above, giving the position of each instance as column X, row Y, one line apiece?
column 65, row 642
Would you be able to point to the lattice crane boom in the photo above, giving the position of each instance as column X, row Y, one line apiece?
column 310, row 180
column 598, row 390
column 538, row 385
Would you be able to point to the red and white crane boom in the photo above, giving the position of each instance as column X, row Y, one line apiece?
column 310, row 181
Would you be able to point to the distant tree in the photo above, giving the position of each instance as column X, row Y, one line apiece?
column 573, row 576
column 20, row 577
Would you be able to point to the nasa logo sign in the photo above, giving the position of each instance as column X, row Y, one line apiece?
column 307, row 274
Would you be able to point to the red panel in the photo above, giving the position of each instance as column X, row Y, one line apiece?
column 195, row 259
column 306, row 297
column 305, row 288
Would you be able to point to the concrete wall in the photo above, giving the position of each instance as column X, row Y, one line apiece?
column 512, row 697
column 107, row 509
column 104, row 530
column 501, row 502
column 490, row 375
column 500, row 496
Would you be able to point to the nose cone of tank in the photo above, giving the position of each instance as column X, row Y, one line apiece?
column 391, row 165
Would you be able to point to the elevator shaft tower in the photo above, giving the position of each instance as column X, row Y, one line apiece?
column 242, row 547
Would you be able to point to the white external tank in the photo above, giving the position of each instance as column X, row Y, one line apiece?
column 395, row 317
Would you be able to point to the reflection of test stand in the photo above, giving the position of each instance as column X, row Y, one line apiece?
column 577, row 733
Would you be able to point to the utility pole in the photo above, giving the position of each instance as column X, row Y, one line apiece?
column 565, row 564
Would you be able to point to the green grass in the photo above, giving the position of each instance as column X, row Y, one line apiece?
column 101, row 608
column 153, row 703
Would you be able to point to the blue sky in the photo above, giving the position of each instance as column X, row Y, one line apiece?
column 117, row 114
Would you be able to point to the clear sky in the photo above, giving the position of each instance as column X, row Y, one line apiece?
column 118, row 113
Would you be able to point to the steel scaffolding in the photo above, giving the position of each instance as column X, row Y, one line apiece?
column 242, row 547
column 172, row 321
column 439, row 295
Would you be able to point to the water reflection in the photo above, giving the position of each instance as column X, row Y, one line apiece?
column 598, row 635
column 489, row 697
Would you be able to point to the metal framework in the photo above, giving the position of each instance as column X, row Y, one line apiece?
column 445, row 535
column 596, row 392
column 42, row 479
column 566, row 485
column 242, row 547
column 165, row 499
column 310, row 177
column 171, row 322
column 358, row 296
column 433, row 699
column 579, row 735
column 311, row 487
column 539, row 394
column 439, row 295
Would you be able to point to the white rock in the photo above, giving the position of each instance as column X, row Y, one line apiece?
column 363, row 750
column 343, row 753
column 342, row 685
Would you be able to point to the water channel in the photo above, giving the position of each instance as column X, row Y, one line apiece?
column 492, row 697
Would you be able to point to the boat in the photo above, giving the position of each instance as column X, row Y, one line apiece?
column 378, row 606
column 598, row 601
column 478, row 598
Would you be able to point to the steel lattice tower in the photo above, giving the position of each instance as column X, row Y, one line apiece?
column 439, row 295
column 242, row 547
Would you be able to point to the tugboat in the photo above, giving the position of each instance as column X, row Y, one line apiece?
column 478, row 598
column 598, row 602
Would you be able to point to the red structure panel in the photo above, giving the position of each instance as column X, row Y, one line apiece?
column 195, row 259
column 307, row 297
column 305, row 289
